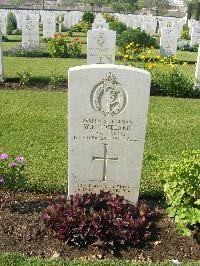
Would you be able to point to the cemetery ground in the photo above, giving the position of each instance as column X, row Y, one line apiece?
column 33, row 123
column 40, row 74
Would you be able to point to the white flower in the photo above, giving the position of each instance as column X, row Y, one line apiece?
column 176, row 262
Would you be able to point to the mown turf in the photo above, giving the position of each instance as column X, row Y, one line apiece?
column 41, row 67
column 20, row 260
column 34, row 124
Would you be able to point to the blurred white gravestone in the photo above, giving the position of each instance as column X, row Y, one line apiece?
column 1, row 58
column 30, row 32
column 195, row 36
column 107, row 127
column 101, row 46
column 168, row 41
column 3, row 23
column 197, row 73
column 49, row 25
column 100, row 23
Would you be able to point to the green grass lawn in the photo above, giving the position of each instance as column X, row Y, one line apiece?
column 19, row 260
column 41, row 67
column 34, row 124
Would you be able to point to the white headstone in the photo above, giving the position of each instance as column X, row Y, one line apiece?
column 101, row 47
column 108, row 106
column 30, row 32
column 168, row 41
column 195, row 36
column 49, row 25
column 1, row 58
column 150, row 27
column 197, row 73
column 3, row 22
column 100, row 23
column 18, row 16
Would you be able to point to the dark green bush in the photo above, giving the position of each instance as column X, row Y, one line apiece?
column 70, row 33
column 118, row 26
column 136, row 36
column 172, row 83
column 88, row 17
column 11, row 23
column 5, row 38
column 9, row 27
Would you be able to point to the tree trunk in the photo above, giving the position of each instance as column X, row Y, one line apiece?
column 197, row 11
column 189, row 11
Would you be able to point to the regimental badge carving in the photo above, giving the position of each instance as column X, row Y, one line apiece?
column 30, row 25
column 109, row 97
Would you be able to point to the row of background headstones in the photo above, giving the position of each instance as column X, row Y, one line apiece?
column 29, row 21
column 101, row 41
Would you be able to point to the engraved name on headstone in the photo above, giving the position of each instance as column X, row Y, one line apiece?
column 108, row 107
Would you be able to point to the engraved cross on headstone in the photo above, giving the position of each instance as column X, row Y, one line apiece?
column 105, row 160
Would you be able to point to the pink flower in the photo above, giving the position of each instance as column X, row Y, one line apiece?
column 13, row 164
column 2, row 180
column 4, row 156
column 21, row 159
column 46, row 216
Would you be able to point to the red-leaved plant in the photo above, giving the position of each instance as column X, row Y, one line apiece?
column 99, row 219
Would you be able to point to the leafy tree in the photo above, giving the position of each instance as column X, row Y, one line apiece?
column 68, row 3
column 159, row 4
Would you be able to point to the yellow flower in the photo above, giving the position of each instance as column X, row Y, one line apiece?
column 185, row 63
column 126, row 56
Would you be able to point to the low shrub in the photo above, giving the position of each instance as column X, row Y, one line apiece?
column 11, row 23
column 56, row 79
column 88, row 17
column 9, row 27
column 182, row 190
column 185, row 33
column 62, row 46
column 172, row 82
column 99, row 219
column 185, row 46
column 82, row 26
column 5, row 38
column 20, row 51
column 70, row 33
column 12, row 172
column 109, row 18
column 136, row 36
column 118, row 26
column 24, row 77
